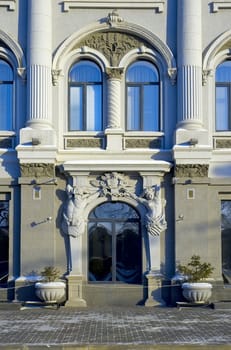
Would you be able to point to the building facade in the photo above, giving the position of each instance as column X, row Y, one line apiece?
column 115, row 145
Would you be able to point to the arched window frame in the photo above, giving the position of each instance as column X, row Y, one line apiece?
column 7, row 102
column 7, row 56
column 140, row 87
column 157, row 60
column 83, row 86
column 226, row 87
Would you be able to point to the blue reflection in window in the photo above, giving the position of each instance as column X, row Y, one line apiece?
column 6, row 96
column 223, row 96
column 85, row 97
column 143, row 90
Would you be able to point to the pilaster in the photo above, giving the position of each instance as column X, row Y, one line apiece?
column 190, row 122
column 38, row 130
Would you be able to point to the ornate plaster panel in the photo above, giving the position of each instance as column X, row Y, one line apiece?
column 217, row 6
column 37, row 170
column 112, row 44
column 83, row 142
column 146, row 4
column 223, row 143
column 142, row 143
column 191, row 170
column 10, row 4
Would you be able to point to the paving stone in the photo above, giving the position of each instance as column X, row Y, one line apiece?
column 116, row 327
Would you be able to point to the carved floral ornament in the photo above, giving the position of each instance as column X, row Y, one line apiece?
column 37, row 170
column 112, row 186
column 191, row 170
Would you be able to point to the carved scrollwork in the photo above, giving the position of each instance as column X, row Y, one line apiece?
column 37, row 170
column 191, row 170
column 114, row 73
column 113, row 44
column 112, row 185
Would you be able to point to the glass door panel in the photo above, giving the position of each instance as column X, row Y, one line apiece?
column 100, row 252
column 128, row 252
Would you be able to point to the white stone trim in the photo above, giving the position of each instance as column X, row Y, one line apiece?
column 217, row 6
column 67, row 46
column 145, row 4
column 8, row 3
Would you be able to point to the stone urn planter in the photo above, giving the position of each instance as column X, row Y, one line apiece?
column 197, row 292
column 50, row 290
column 194, row 289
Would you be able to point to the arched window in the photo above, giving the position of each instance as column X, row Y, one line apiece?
column 142, row 97
column 114, row 244
column 85, row 97
column 223, row 96
column 6, row 96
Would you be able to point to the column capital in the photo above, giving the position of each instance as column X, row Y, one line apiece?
column 114, row 73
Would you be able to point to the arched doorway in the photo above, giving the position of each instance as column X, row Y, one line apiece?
column 114, row 244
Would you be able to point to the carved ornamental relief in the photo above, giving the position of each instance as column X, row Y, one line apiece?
column 112, row 186
column 112, row 44
column 191, row 170
column 37, row 170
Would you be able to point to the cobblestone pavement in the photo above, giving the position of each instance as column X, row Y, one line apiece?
column 109, row 328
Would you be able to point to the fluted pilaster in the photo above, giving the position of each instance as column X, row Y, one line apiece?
column 39, row 63
column 189, row 64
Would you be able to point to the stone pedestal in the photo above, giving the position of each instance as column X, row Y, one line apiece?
column 154, row 290
column 74, row 295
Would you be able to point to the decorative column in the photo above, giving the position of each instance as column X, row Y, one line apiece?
column 39, row 63
column 114, row 131
column 189, row 64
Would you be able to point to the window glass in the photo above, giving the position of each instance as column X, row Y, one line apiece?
column 114, row 241
column 142, row 80
column 4, row 241
column 226, row 238
column 85, row 97
column 6, row 96
column 223, row 96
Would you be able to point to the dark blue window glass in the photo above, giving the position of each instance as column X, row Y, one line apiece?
column 6, row 96
column 143, row 96
column 85, row 97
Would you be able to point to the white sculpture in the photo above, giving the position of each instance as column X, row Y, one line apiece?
column 73, row 223
column 155, row 218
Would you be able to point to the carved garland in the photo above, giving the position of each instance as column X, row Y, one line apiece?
column 37, row 170
column 113, row 45
column 191, row 170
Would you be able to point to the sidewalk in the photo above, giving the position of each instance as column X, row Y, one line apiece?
column 115, row 328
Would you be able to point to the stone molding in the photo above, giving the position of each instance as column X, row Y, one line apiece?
column 137, row 4
column 113, row 45
column 222, row 143
column 137, row 36
column 191, row 170
column 15, row 48
column 217, row 6
column 114, row 73
column 143, row 142
column 37, row 170
column 83, row 142
column 10, row 4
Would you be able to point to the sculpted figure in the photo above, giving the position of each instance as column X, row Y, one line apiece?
column 73, row 223
column 155, row 217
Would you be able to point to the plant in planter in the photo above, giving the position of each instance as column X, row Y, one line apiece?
column 50, row 290
column 194, row 290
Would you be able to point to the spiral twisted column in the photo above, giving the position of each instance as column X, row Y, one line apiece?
column 114, row 76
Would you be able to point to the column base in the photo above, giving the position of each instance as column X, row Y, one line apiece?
column 74, row 299
column 154, row 290
column 114, row 139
